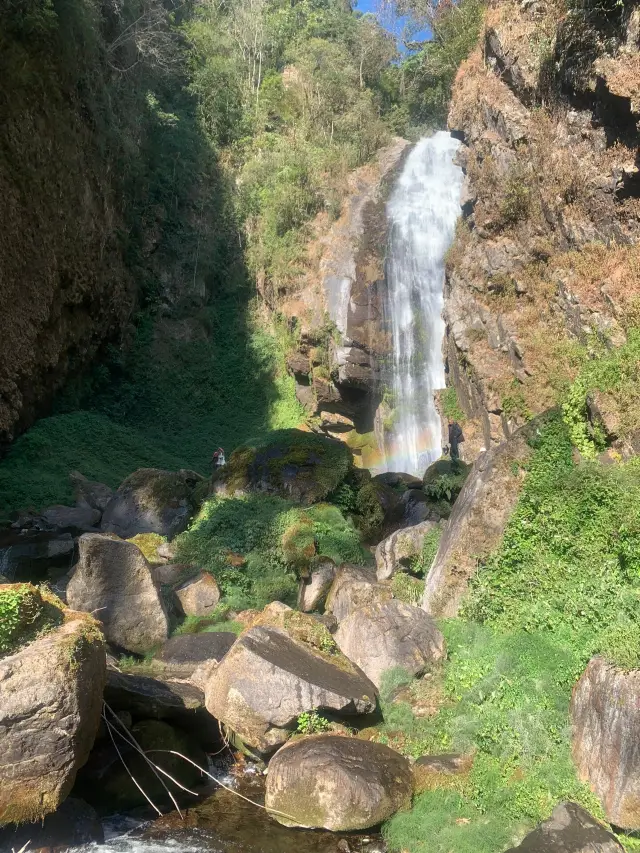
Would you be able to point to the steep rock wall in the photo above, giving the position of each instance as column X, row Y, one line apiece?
column 337, row 310
column 547, row 253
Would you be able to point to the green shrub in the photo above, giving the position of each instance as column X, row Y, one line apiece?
column 254, row 528
column 407, row 588
column 451, row 407
column 24, row 613
column 422, row 563
column 312, row 723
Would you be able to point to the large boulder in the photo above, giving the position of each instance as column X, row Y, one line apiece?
column 72, row 519
column 313, row 590
column 198, row 596
column 570, row 829
column 89, row 493
column 267, row 680
column 399, row 550
column 113, row 579
column 605, row 714
column 181, row 655
column 50, row 705
column 338, row 783
column 352, row 588
column 302, row 466
column 152, row 501
column 387, row 634
column 477, row 523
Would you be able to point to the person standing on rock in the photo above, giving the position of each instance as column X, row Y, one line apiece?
column 455, row 439
column 218, row 460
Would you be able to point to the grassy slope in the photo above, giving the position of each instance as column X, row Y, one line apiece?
column 564, row 585
column 179, row 399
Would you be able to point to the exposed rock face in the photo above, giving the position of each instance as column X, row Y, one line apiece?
column 478, row 520
column 605, row 714
column 50, row 704
column 337, row 783
column 183, row 654
column 336, row 373
column 77, row 519
column 550, row 159
column 570, row 829
column 301, row 466
column 198, row 596
column 398, row 550
column 388, row 634
column 354, row 587
column 313, row 590
column 152, row 501
column 114, row 580
column 267, row 680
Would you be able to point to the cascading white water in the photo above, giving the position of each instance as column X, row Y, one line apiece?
column 422, row 213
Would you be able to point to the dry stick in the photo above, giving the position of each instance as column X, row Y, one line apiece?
column 129, row 738
column 226, row 787
column 133, row 742
column 133, row 779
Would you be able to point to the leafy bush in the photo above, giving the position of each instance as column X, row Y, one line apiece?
column 312, row 723
column 242, row 542
column 451, row 408
column 407, row 588
column 25, row 612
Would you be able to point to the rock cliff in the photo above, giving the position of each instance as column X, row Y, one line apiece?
column 336, row 309
column 546, row 256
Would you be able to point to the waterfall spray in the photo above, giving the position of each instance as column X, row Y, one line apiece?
column 422, row 212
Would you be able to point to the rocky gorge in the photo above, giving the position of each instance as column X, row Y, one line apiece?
column 299, row 651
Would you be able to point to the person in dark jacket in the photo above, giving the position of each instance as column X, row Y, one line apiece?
column 455, row 439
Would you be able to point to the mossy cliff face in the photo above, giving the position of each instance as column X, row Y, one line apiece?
column 546, row 259
column 91, row 183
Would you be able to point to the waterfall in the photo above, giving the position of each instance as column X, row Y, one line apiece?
column 422, row 212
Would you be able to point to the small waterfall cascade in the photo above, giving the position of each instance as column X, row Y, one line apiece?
column 422, row 212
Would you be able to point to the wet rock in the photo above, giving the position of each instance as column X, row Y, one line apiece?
column 400, row 549
column 398, row 480
column 147, row 698
column 478, row 520
column 605, row 715
column 314, row 589
column 337, row 783
column 304, row 467
column 354, row 587
column 76, row 519
column 50, row 704
column 387, row 634
column 73, row 824
column 199, row 596
column 152, row 501
column 90, row 494
column 267, row 680
column 183, row 654
column 31, row 556
column 570, row 829
column 113, row 579
column 418, row 507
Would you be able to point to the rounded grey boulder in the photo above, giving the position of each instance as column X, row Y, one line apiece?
column 338, row 783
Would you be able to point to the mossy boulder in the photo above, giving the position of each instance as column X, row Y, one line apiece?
column 302, row 466
column 25, row 611
column 153, row 501
column 338, row 783
column 444, row 479
column 378, row 508
column 50, row 703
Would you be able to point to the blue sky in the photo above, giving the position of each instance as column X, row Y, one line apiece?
column 396, row 27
